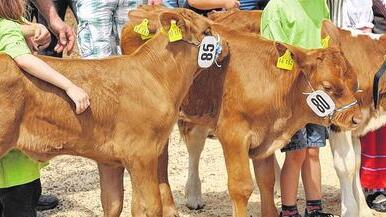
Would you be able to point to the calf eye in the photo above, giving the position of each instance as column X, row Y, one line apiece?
column 327, row 86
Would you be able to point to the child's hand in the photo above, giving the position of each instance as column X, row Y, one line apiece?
column 42, row 36
column 79, row 97
column 229, row 4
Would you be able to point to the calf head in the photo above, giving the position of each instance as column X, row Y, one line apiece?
column 194, row 28
column 329, row 71
column 366, row 52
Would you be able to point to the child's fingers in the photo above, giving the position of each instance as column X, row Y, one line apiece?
column 37, row 33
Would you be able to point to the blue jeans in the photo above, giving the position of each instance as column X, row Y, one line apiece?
column 312, row 136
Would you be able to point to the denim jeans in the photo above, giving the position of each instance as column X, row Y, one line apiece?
column 21, row 200
column 312, row 136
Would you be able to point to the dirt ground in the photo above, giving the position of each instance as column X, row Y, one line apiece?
column 75, row 181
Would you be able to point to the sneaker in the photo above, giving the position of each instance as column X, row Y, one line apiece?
column 317, row 213
column 47, row 202
column 379, row 203
column 296, row 215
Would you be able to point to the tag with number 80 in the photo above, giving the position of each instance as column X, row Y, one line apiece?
column 207, row 52
column 320, row 103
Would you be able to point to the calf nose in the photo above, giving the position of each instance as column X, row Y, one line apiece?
column 357, row 118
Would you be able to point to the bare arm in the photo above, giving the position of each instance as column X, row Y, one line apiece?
column 63, row 32
column 213, row 4
column 43, row 71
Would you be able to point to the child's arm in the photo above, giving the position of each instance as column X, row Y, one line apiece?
column 42, row 70
column 213, row 4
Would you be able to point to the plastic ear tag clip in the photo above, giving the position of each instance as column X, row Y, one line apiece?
column 325, row 42
column 320, row 103
column 142, row 28
column 285, row 62
column 174, row 33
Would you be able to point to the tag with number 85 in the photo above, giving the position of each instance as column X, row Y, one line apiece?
column 320, row 103
column 207, row 52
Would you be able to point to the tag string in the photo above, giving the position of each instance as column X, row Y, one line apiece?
column 218, row 50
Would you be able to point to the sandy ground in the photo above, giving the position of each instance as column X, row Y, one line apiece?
column 75, row 181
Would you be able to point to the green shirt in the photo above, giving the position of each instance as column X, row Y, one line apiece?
column 295, row 22
column 15, row 167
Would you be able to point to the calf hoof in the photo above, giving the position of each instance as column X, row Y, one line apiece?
column 194, row 203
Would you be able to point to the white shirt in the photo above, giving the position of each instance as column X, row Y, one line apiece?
column 353, row 14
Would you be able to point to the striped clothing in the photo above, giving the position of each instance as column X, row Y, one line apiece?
column 353, row 14
column 379, row 7
column 373, row 165
column 174, row 3
column 100, row 24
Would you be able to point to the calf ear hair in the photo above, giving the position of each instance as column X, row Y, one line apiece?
column 329, row 29
column 165, row 19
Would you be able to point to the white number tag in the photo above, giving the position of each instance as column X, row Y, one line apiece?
column 320, row 103
column 207, row 52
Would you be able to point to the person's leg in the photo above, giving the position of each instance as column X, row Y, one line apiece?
column 95, row 28
column 20, row 200
column 289, row 179
column 311, row 174
column 311, row 171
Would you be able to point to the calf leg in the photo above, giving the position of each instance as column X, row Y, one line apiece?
column 344, row 158
column 111, row 183
column 364, row 210
column 168, row 206
column 235, row 141
column 265, row 178
column 277, row 177
column 146, row 192
column 195, row 141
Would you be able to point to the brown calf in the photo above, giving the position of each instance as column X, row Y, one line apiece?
column 135, row 103
column 366, row 56
column 248, row 107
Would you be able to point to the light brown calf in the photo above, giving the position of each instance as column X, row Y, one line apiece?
column 366, row 55
column 135, row 103
column 248, row 108
column 196, row 99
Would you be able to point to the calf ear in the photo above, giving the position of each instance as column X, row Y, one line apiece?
column 167, row 17
column 299, row 55
column 330, row 30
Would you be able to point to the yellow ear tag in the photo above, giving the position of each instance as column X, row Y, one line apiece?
column 147, row 37
column 325, row 42
column 285, row 62
column 142, row 28
column 174, row 33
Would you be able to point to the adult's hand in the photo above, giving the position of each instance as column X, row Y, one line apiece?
column 65, row 35
column 154, row 2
